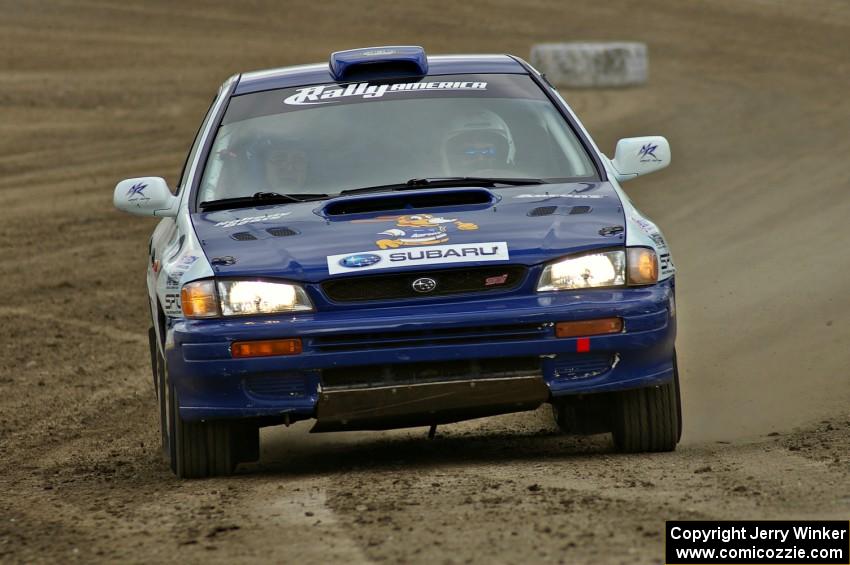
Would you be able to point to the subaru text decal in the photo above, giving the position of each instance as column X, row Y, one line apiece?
column 324, row 93
column 438, row 254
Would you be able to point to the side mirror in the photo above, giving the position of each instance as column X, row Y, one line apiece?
column 636, row 156
column 145, row 196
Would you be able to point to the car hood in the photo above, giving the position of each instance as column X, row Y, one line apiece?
column 387, row 232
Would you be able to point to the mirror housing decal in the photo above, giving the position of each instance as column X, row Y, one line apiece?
column 145, row 196
column 637, row 156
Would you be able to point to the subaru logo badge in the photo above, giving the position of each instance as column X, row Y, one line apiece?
column 424, row 285
column 359, row 260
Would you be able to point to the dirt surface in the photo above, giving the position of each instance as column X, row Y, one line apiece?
column 753, row 97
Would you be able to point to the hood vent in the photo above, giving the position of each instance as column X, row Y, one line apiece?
column 549, row 210
column 243, row 236
column 543, row 211
column 282, row 232
column 408, row 201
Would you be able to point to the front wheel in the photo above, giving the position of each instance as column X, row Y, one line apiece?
column 207, row 449
column 213, row 448
column 648, row 419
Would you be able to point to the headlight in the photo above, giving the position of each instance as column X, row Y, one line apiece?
column 239, row 298
column 633, row 266
column 607, row 268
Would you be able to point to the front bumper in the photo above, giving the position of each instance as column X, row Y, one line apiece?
column 211, row 384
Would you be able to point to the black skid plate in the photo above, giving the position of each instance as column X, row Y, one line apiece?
column 426, row 404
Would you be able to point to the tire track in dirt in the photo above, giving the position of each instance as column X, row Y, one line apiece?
column 747, row 92
column 94, row 328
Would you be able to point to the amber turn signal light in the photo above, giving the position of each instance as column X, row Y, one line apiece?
column 197, row 299
column 583, row 328
column 643, row 265
column 266, row 348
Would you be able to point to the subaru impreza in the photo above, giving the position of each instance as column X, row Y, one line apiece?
column 392, row 239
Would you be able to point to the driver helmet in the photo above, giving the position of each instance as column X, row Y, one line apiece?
column 478, row 141
column 281, row 164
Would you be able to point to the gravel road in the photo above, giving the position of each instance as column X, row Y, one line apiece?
column 753, row 97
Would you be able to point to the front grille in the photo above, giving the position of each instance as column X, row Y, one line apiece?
column 433, row 372
column 426, row 338
column 276, row 386
column 449, row 281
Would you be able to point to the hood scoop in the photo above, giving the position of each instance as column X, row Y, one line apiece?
column 409, row 201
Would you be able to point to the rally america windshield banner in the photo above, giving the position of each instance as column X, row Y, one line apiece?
column 302, row 98
column 325, row 93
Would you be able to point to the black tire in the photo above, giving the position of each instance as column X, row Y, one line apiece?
column 164, row 416
column 203, row 449
column 212, row 448
column 584, row 414
column 648, row 419
column 154, row 351
column 678, row 396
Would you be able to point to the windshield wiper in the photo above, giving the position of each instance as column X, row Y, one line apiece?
column 438, row 182
column 256, row 199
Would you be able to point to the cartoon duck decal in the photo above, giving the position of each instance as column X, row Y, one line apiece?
column 417, row 229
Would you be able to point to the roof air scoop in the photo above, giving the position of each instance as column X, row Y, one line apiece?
column 379, row 62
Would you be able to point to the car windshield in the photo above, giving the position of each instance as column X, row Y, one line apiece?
column 325, row 139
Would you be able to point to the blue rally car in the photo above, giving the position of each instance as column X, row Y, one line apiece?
column 393, row 240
